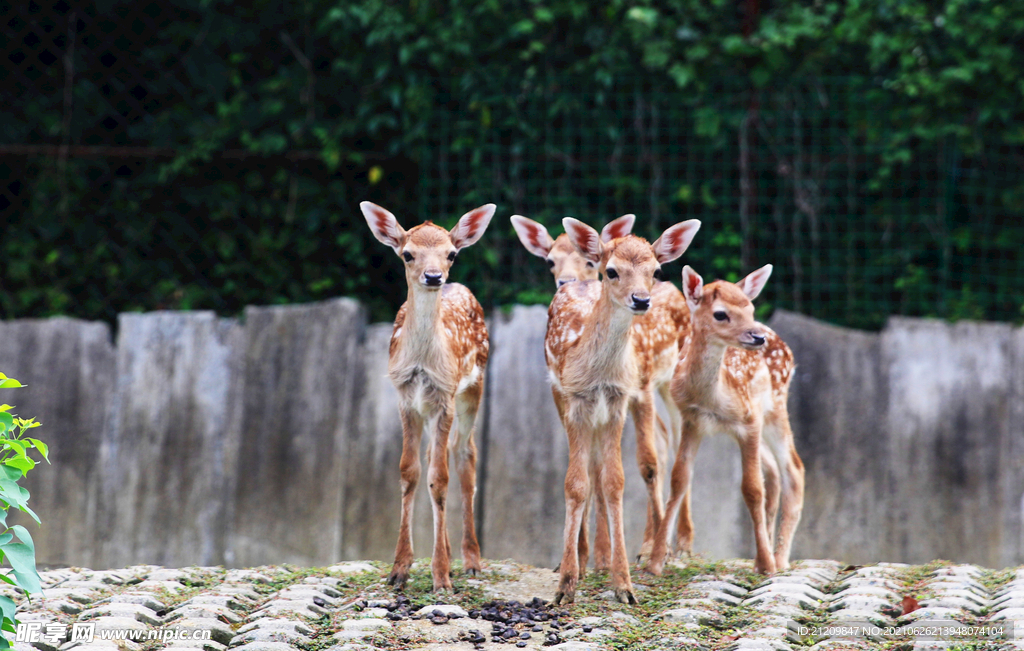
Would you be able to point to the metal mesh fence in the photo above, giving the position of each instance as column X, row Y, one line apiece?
column 99, row 97
column 803, row 177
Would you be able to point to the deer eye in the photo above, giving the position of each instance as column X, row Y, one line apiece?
column 551, row 263
column 407, row 256
column 590, row 264
column 721, row 316
column 658, row 275
column 611, row 273
column 451, row 256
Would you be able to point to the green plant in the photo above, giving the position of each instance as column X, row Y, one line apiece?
column 15, row 464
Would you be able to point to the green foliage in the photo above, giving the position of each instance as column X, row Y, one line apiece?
column 15, row 464
column 882, row 134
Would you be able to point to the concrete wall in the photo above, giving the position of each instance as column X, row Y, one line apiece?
column 275, row 438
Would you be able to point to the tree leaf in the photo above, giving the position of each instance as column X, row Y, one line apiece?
column 23, row 535
column 22, row 558
column 42, row 447
column 7, row 605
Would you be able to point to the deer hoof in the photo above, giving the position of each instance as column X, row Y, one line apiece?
column 398, row 578
column 625, row 596
column 564, row 598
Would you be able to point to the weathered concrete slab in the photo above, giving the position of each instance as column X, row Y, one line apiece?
column 949, row 433
column 837, row 404
column 202, row 440
column 68, row 367
column 526, row 448
column 912, row 439
column 303, row 379
column 170, row 442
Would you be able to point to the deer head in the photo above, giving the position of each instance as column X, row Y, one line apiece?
column 428, row 250
column 564, row 261
column 629, row 264
column 723, row 311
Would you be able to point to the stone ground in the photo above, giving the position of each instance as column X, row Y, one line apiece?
column 695, row 605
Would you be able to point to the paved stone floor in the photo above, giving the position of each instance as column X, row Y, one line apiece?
column 695, row 605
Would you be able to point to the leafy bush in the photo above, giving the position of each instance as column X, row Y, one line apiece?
column 15, row 464
column 238, row 139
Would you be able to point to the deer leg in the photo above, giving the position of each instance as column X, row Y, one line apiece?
column 412, row 431
column 678, row 501
column 684, row 526
column 583, row 548
column 772, row 490
column 437, row 478
column 467, row 404
column 753, row 495
column 577, row 487
column 642, row 409
column 792, row 489
column 611, row 481
column 602, row 540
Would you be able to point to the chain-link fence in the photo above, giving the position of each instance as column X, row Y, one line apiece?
column 799, row 176
column 102, row 102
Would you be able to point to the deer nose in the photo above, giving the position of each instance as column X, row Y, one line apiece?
column 562, row 281
column 641, row 302
column 433, row 279
column 756, row 339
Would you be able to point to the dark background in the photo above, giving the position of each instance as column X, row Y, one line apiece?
column 190, row 154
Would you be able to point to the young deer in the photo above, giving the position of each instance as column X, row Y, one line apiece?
column 436, row 360
column 658, row 337
column 595, row 371
column 734, row 379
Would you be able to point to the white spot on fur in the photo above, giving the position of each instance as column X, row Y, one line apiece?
column 553, row 378
column 469, row 379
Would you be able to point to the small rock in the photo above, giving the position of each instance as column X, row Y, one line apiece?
column 351, row 567
column 448, row 610
column 364, row 624
column 621, row 616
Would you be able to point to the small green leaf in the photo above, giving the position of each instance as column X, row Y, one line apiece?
column 23, row 464
column 10, row 383
column 22, row 558
column 23, row 535
column 12, row 493
column 7, row 605
column 42, row 447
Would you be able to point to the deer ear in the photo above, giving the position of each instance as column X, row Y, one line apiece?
column 617, row 228
column 533, row 236
column 584, row 238
column 755, row 281
column 383, row 225
column 674, row 241
column 693, row 287
column 471, row 226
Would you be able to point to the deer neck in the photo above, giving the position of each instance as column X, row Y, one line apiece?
column 704, row 359
column 423, row 340
column 606, row 350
